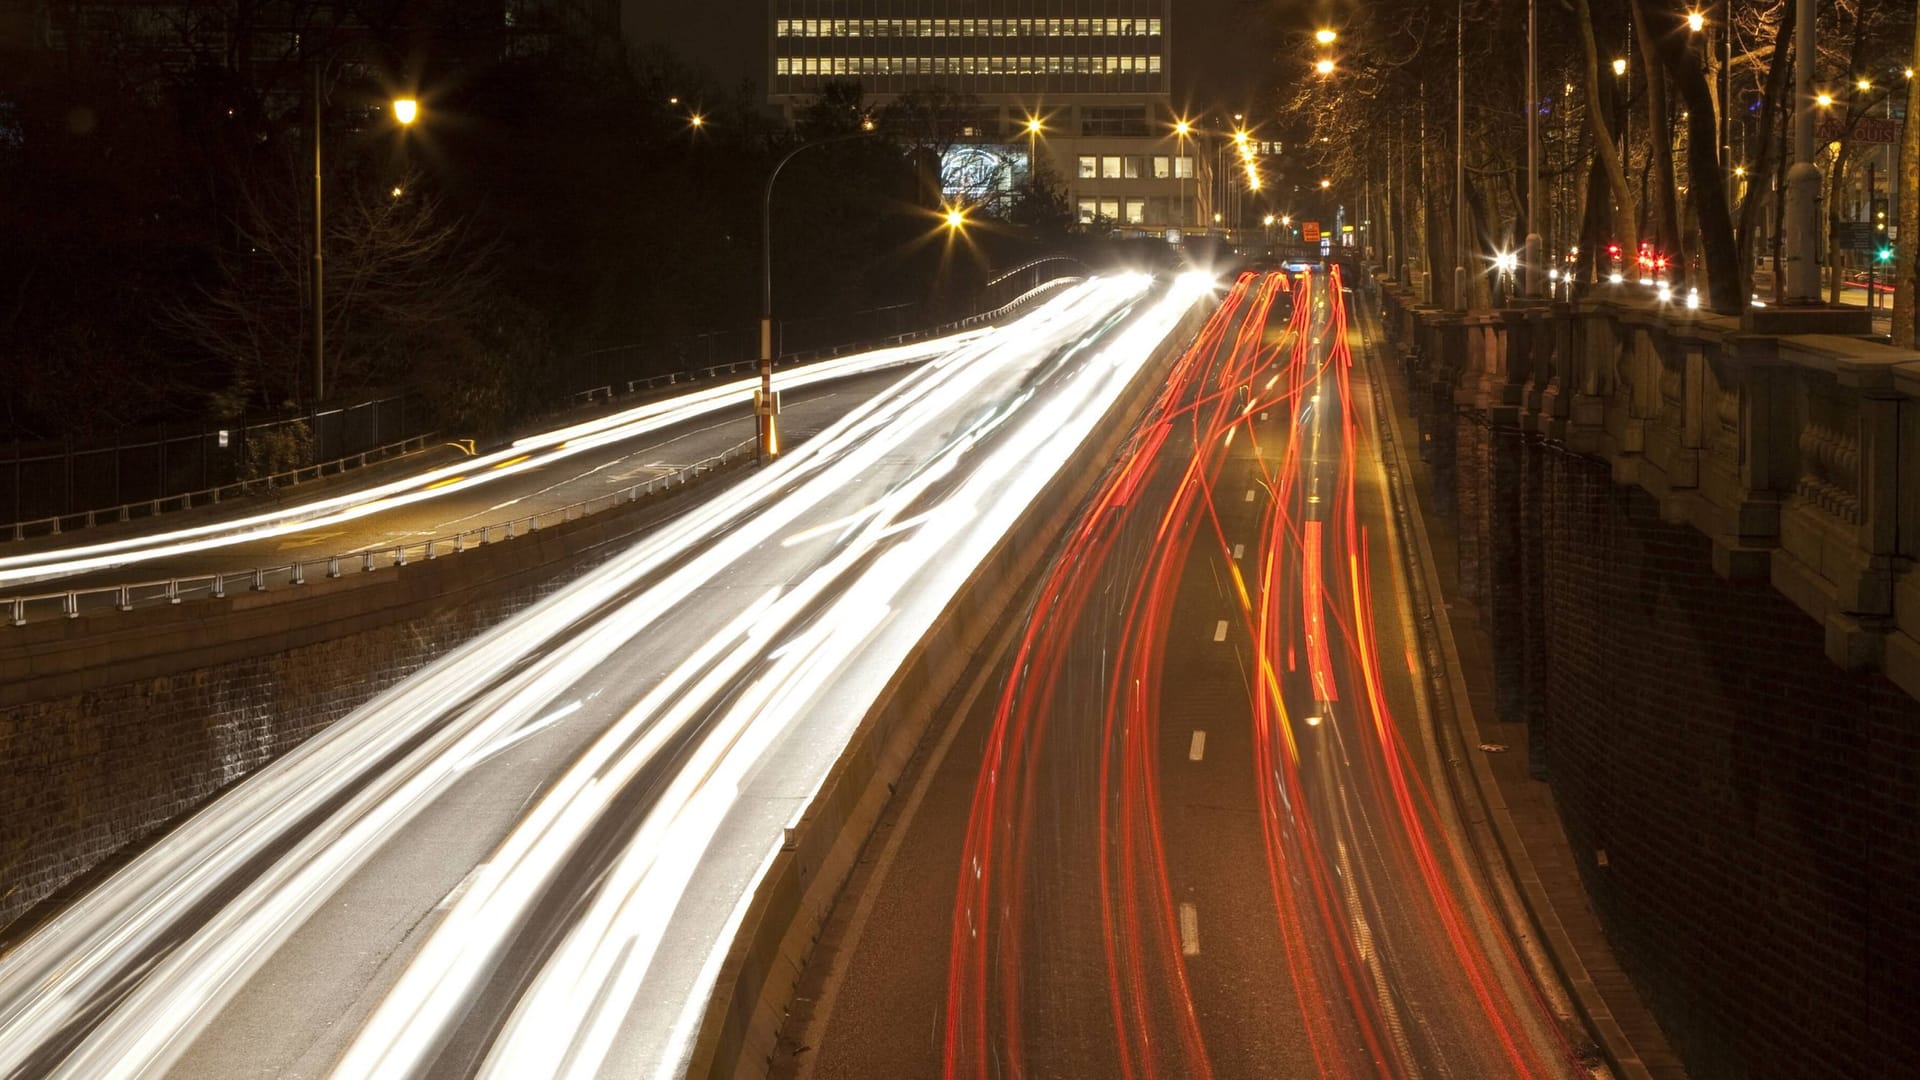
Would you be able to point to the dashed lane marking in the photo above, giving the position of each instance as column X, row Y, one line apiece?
column 1197, row 749
column 1220, row 630
column 1189, row 929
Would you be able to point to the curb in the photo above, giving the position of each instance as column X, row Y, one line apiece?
column 748, row 1004
column 1478, row 788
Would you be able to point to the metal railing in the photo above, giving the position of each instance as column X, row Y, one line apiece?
column 56, row 524
column 747, row 367
column 71, row 603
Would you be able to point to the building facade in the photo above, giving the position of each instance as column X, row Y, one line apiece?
column 1093, row 73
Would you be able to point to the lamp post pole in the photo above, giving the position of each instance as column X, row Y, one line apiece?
column 319, row 288
column 1535, row 277
column 1460, row 159
column 1803, row 179
column 765, row 408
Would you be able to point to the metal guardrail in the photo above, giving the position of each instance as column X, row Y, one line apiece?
column 58, row 523
column 69, row 603
column 748, row 367
column 22, row 609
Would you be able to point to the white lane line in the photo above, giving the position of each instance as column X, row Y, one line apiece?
column 460, row 890
column 1249, row 495
column 1220, row 630
column 1239, row 551
column 1198, row 748
column 1189, row 929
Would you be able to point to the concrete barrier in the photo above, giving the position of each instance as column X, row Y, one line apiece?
column 803, row 879
column 109, row 734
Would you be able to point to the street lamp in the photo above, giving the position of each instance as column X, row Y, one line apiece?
column 1034, row 127
column 1324, row 66
column 765, row 407
column 1325, row 37
column 1325, row 184
column 1619, row 66
column 1181, row 129
column 697, row 121
column 1696, row 21
column 405, row 111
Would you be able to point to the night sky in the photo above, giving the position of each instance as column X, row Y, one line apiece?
column 1220, row 46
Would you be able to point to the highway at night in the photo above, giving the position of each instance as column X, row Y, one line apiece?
column 526, row 860
column 580, row 460
column 1193, row 820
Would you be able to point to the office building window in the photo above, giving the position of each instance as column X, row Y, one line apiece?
column 1110, row 167
column 1136, row 211
column 1089, row 209
column 1131, row 168
column 1110, row 209
column 1097, row 120
column 1183, row 168
column 1089, row 167
column 1162, row 168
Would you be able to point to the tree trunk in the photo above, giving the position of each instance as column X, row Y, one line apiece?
column 1602, row 135
column 1906, row 265
column 1665, row 223
column 1706, row 182
column 1762, row 165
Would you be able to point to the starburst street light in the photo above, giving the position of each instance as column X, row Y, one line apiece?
column 405, row 109
column 955, row 218
column 1619, row 66
column 1696, row 21
column 1325, row 37
column 1825, row 101
column 1325, row 184
column 1323, row 66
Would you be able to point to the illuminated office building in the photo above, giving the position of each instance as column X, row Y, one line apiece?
column 1094, row 72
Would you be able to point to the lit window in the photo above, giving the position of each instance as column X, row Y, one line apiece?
column 1089, row 209
column 1136, row 211
column 1162, row 168
column 1110, row 209
column 1110, row 167
column 1131, row 168
column 1183, row 168
column 1089, row 167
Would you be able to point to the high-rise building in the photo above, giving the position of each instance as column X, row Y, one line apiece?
column 1092, row 73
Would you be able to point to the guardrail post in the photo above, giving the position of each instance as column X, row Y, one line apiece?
column 366, row 562
column 509, row 528
column 55, row 531
column 71, row 604
column 173, row 590
column 333, row 566
column 486, row 535
column 219, row 586
column 400, row 556
column 259, row 581
column 19, row 612
column 459, row 543
column 123, row 599
column 299, row 573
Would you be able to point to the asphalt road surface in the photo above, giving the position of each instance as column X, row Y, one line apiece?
column 1190, row 823
column 580, row 461
column 527, row 860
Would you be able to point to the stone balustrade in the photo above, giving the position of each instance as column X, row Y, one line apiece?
column 1797, row 455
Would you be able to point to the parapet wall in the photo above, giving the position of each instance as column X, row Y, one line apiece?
column 1686, row 537
column 115, row 724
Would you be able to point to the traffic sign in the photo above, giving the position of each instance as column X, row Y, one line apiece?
column 1310, row 232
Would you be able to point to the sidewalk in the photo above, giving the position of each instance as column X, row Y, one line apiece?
column 1622, row 1023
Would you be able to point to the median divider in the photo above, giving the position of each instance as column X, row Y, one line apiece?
column 802, row 880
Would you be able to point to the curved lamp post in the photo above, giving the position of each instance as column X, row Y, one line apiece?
column 765, row 407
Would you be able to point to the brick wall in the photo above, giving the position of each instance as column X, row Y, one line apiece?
column 88, row 774
column 1756, row 807
column 111, row 727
